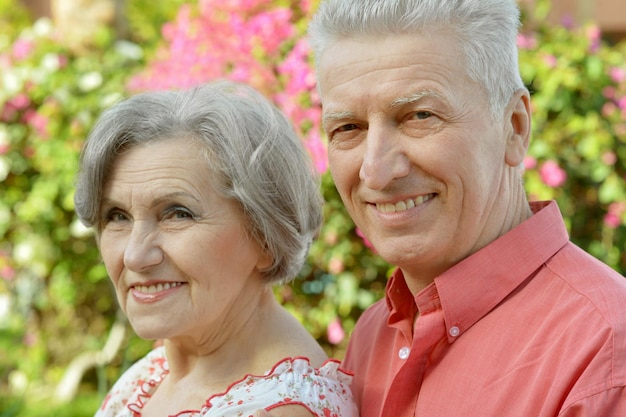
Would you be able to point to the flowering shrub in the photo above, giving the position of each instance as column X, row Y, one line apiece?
column 259, row 43
column 578, row 149
column 51, row 282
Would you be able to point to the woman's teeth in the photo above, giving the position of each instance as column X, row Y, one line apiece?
column 151, row 289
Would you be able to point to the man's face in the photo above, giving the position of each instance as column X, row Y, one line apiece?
column 422, row 168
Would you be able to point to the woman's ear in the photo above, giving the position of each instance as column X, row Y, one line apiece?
column 265, row 260
column 518, row 118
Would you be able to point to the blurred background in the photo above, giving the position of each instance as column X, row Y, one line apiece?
column 62, row 340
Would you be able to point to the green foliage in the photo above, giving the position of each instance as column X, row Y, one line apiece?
column 83, row 406
column 146, row 17
column 55, row 299
column 578, row 87
column 342, row 278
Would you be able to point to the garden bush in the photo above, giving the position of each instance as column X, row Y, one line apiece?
column 55, row 299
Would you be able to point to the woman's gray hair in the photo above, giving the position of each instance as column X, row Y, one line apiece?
column 486, row 30
column 251, row 147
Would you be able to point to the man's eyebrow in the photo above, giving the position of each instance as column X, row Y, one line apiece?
column 415, row 97
column 334, row 116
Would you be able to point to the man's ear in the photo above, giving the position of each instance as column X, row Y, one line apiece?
column 518, row 118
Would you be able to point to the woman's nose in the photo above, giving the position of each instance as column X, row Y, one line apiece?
column 142, row 250
column 384, row 159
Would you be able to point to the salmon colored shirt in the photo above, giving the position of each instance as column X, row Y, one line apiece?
column 529, row 326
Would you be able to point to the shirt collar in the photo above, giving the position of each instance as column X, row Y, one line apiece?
column 474, row 286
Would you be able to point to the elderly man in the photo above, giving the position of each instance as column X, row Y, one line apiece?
column 491, row 311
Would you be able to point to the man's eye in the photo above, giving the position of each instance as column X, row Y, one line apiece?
column 346, row 128
column 421, row 115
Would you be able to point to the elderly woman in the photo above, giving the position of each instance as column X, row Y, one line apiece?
column 201, row 200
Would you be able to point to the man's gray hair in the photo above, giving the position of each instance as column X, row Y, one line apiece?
column 486, row 30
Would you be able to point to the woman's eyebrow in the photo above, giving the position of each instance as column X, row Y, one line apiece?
column 110, row 202
column 173, row 196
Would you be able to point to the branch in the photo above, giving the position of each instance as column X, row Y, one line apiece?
column 66, row 389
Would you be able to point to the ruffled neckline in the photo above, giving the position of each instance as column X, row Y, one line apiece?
column 331, row 368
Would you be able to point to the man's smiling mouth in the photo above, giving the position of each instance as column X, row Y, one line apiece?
column 404, row 205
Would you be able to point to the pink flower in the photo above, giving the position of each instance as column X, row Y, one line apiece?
column 608, row 109
column 612, row 221
column 552, row 174
column 526, row 41
column 530, row 162
column 594, row 35
column 617, row 74
column 613, row 217
column 335, row 332
column 609, row 92
column 7, row 273
column 8, row 113
column 22, row 48
column 20, row 101
column 609, row 158
column 38, row 122
column 550, row 60
column 335, row 266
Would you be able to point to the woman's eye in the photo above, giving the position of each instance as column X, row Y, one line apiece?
column 178, row 212
column 115, row 215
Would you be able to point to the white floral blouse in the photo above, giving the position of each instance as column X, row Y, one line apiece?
column 324, row 391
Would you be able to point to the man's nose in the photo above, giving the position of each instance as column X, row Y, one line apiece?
column 142, row 250
column 385, row 159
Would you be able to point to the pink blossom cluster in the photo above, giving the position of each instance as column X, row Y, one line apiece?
column 20, row 108
column 616, row 94
column 552, row 174
column 248, row 42
column 17, row 106
column 616, row 215
column 594, row 34
column 7, row 272
column 527, row 41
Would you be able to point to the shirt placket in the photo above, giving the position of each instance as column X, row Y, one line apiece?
column 403, row 392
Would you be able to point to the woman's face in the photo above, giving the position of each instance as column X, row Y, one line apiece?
column 177, row 252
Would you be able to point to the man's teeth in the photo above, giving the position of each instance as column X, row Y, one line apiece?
column 151, row 289
column 403, row 205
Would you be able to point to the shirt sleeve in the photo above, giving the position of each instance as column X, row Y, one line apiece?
column 611, row 402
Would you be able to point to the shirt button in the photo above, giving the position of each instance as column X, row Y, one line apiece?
column 454, row 331
column 404, row 353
